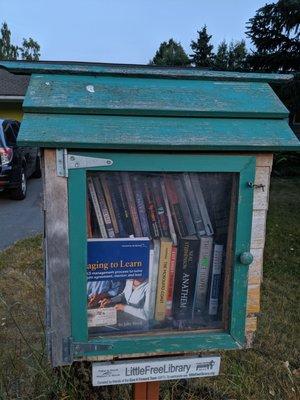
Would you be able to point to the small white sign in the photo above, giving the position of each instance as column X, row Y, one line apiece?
column 102, row 317
column 157, row 369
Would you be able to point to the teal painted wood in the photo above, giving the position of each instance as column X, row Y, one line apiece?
column 81, row 68
column 160, row 343
column 157, row 133
column 67, row 94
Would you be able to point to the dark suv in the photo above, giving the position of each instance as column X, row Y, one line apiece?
column 17, row 164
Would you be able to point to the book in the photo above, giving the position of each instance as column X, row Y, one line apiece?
column 160, row 206
column 89, row 217
column 175, row 207
column 96, row 206
column 151, row 211
column 185, row 277
column 103, row 207
column 186, row 213
column 118, row 278
column 163, row 278
column 215, row 284
column 170, row 291
column 203, row 274
column 169, row 215
column 107, row 195
column 140, row 205
column 131, row 204
column 123, row 205
column 193, row 205
column 201, row 204
column 153, row 274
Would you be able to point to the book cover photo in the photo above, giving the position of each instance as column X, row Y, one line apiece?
column 118, row 284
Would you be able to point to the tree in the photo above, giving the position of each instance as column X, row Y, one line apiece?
column 221, row 58
column 7, row 50
column 30, row 49
column 274, row 30
column 203, row 55
column 237, row 56
column 170, row 54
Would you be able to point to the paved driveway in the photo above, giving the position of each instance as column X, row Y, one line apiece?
column 20, row 219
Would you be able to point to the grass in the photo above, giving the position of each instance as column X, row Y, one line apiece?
column 268, row 371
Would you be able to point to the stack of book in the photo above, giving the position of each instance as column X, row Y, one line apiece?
column 185, row 267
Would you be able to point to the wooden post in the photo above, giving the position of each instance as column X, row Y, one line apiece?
column 146, row 391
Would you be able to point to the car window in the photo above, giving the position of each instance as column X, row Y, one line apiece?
column 9, row 134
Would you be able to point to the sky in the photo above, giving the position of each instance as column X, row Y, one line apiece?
column 122, row 31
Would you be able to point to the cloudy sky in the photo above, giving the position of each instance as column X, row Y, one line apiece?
column 124, row 31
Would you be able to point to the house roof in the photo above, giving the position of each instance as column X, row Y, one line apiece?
column 13, row 85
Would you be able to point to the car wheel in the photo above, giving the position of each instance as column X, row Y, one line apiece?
column 19, row 193
column 37, row 172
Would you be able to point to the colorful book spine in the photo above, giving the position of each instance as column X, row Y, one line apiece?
column 163, row 278
column 176, row 211
column 160, row 206
column 170, row 293
column 96, row 207
column 215, row 280
column 203, row 273
column 103, row 207
column 193, row 205
column 185, row 277
column 169, row 214
column 153, row 274
column 117, row 205
column 188, row 220
column 140, row 205
column 152, row 216
column 123, row 206
column 131, row 204
column 201, row 204
column 103, row 179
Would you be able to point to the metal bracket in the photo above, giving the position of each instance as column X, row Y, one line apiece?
column 65, row 161
column 71, row 349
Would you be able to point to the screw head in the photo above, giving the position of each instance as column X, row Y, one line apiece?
column 246, row 258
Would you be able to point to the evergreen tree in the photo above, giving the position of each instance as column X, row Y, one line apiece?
column 30, row 49
column 7, row 50
column 221, row 58
column 202, row 48
column 170, row 54
column 237, row 56
column 274, row 30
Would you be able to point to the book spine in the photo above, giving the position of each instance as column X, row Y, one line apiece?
column 175, row 206
column 201, row 204
column 163, row 278
column 123, row 205
column 131, row 204
column 215, row 280
column 169, row 302
column 192, row 201
column 139, row 199
column 103, row 179
column 185, row 278
column 169, row 214
column 103, row 207
column 152, row 216
column 160, row 206
column 116, row 204
column 153, row 274
column 188, row 220
column 203, row 273
column 97, row 208
column 89, row 217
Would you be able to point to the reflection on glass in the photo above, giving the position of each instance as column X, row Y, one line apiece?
column 157, row 245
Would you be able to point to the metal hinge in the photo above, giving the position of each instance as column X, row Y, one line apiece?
column 65, row 161
column 72, row 349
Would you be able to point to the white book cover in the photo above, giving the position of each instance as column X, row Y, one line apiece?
column 203, row 272
column 215, row 279
column 153, row 274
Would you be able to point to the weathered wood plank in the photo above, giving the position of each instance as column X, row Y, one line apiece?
column 69, row 94
column 83, row 68
column 258, row 229
column 57, row 258
column 124, row 132
column 261, row 195
column 253, row 301
column 264, row 160
column 256, row 267
column 251, row 324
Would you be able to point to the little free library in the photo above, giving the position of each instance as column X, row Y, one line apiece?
column 156, row 185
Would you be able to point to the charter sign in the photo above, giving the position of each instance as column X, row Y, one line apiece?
column 159, row 369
